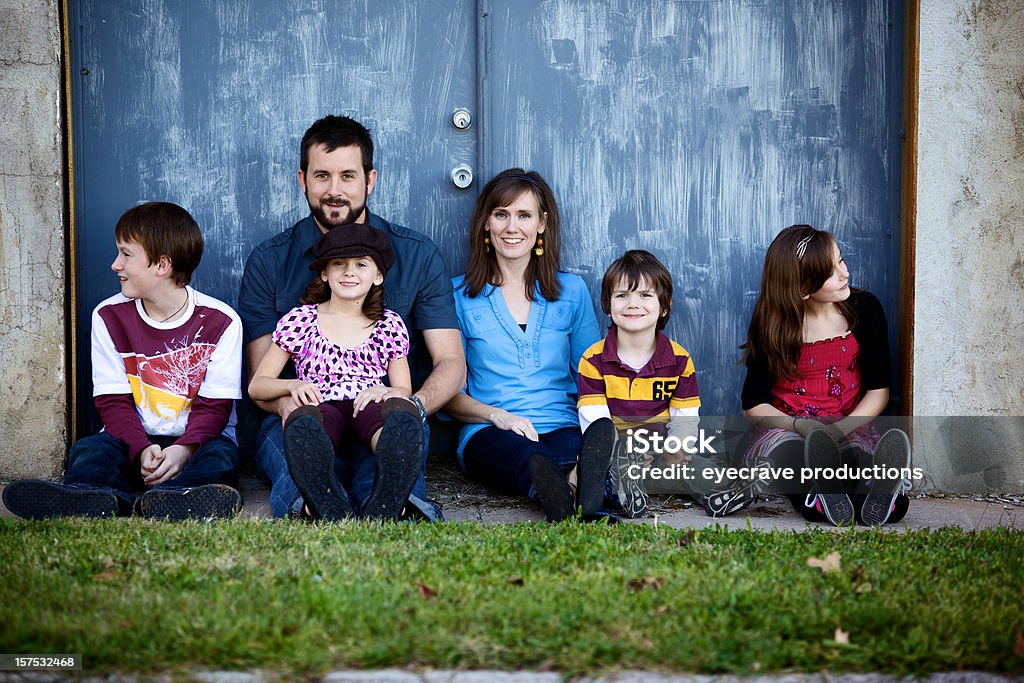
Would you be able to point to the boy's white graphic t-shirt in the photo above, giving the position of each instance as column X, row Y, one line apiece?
column 165, row 366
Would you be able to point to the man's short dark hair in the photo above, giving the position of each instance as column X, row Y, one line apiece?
column 164, row 229
column 337, row 131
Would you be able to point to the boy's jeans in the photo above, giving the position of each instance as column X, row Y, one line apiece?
column 101, row 461
column 358, row 472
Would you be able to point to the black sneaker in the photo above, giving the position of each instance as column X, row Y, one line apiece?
column 631, row 491
column 892, row 451
column 210, row 501
column 35, row 499
column 821, row 451
column 553, row 490
column 736, row 495
column 592, row 470
column 310, row 456
column 399, row 459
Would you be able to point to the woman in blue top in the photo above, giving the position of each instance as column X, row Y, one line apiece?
column 525, row 326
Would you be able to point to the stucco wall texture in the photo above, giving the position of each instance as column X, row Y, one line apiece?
column 969, row 308
column 33, row 375
column 969, row 293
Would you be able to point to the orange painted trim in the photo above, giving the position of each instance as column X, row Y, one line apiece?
column 908, row 206
column 71, row 298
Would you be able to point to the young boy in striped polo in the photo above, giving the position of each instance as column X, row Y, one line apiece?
column 647, row 385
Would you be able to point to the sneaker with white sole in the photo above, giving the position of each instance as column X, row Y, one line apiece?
column 737, row 495
column 892, row 452
column 822, row 452
column 631, row 490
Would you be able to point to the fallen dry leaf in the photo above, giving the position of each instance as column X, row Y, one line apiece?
column 653, row 582
column 515, row 581
column 829, row 564
column 842, row 637
column 859, row 584
column 426, row 592
column 687, row 538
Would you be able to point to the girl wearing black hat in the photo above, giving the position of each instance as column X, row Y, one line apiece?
column 343, row 343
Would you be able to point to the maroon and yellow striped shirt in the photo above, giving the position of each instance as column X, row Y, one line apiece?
column 634, row 397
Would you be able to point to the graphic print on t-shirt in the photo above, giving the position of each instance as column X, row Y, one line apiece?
column 164, row 367
column 166, row 384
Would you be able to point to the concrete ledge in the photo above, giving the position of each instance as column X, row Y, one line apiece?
column 473, row 504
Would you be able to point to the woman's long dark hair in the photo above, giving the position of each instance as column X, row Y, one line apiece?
column 798, row 262
column 482, row 268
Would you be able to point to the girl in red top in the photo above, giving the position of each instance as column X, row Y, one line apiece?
column 818, row 367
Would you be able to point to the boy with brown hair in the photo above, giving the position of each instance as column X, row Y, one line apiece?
column 647, row 384
column 166, row 368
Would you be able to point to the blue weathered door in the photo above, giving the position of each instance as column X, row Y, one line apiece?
column 204, row 102
column 698, row 130
column 694, row 129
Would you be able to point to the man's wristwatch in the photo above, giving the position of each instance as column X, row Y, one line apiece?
column 419, row 406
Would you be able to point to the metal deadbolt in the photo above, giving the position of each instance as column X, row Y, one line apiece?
column 462, row 176
column 461, row 118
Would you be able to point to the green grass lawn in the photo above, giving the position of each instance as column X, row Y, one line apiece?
column 139, row 596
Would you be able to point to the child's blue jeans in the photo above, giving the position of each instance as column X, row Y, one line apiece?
column 356, row 473
column 101, row 461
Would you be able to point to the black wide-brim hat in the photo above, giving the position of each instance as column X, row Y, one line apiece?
column 350, row 241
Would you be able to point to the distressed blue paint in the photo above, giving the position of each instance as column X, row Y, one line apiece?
column 698, row 130
column 203, row 103
column 694, row 129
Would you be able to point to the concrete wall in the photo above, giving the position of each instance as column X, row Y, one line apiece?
column 969, row 294
column 33, row 376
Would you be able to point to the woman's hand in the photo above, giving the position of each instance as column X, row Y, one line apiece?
column 304, row 393
column 375, row 394
column 502, row 419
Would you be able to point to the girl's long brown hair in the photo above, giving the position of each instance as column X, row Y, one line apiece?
column 482, row 267
column 319, row 291
column 790, row 272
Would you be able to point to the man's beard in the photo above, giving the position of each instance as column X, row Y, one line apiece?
column 321, row 213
